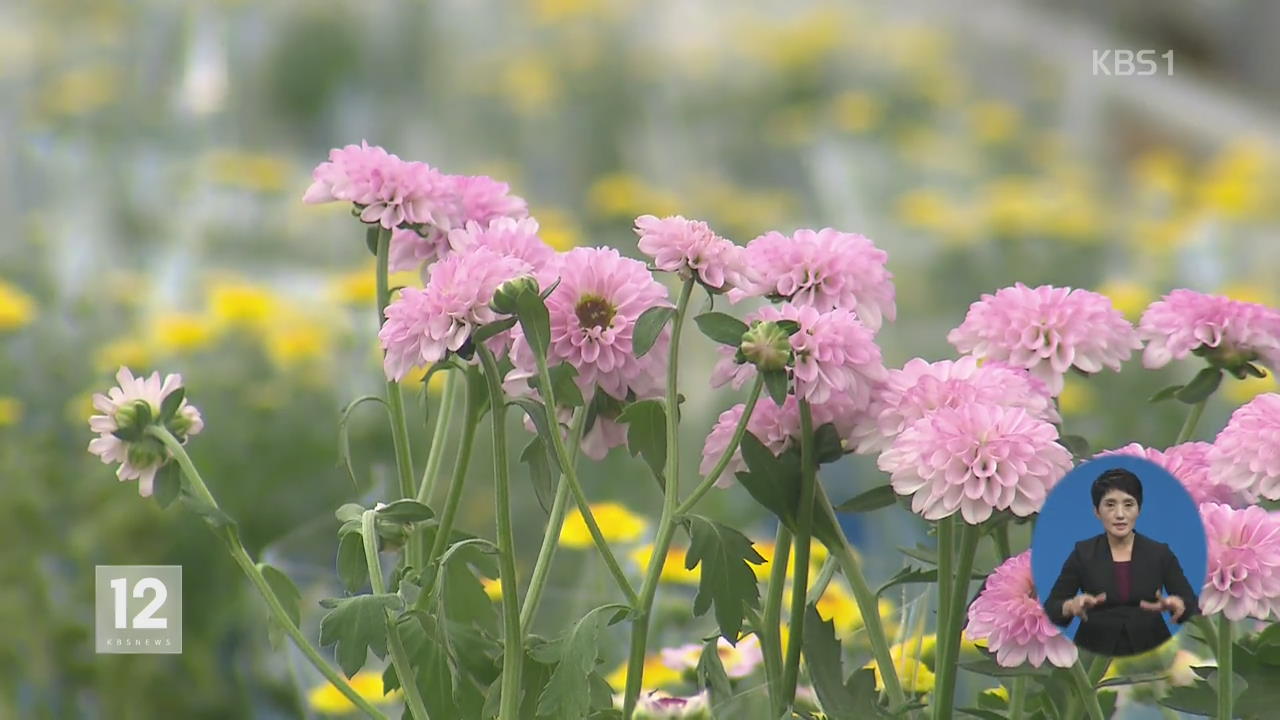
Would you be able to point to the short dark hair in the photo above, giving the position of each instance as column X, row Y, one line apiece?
column 1116, row 479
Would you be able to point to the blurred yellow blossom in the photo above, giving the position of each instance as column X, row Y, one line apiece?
column 908, row 659
column 673, row 570
column 17, row 308
column 530, row 83
column 1249, row 292
column 80, row 90
column 1163, row 171
column 255, row 171
column 179, row 332
column 817, row 555
column 328, row 700
column 1242, row 391
column 994, row 121
column 10, row 410
column 624, row 195
column 856, row 112
column 796, row 44
column 241, row 304
column 1237, row 179
column 656, row 674
column 999, row 692
column 617, row 524
column 1076, row 397
column 557, row 229
column 1128, row 296
column 297, row 339
column 358, row 287
column 838, row 605
column 492, row 588
column 125, row 352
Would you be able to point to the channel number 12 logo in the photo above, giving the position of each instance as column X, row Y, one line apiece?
column 138, row 608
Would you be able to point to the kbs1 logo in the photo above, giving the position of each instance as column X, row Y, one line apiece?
column 1127, row 63
column 138, row 609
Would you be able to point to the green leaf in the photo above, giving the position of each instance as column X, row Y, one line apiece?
column 774, row 482
column 212, row 515
column 544, row 482
column 535, row 321
column 562, row 386
column 423, row 643
column 168, row 484
column 852, row 699
column 290, row 599
column 567, row 694
column 1165, row 394
column 169, row 406
column 877, row 497
column 405, row 511
column 344, row 439
column 353, row 568
column 989, row 667
column 727, row 580
column 921, row 553
column 646, row 422
column 488, row 330
column 1134, row 679
column 722, row 328
column 791, row 327
column 348, row 512
column 648, row 327
column 357, row 625
column 711, row 675
column 1078, row 446
column 908, row 574
column 827, row 445
column 1201, row 386
column 777, row 383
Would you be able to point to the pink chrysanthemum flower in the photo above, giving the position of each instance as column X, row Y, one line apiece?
column 835, row 354
column 921, row 387
column 680, row 245
column 1007, row 614
column 1246, row 454
column 1185, row 320
column 464, row 199
column 424, row 325
column 505, row 236
column 139, row 459
column 777, row 428
column 659, row 705
column 1189, row 463
column 1047, row 330
column 593, row 316
column 976, row 458
column 388, row 190
column 1244, row 562
column 825, row 269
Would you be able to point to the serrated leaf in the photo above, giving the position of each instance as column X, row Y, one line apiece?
column 167, row 485
column 488, row 330
column 535, row 321
column 357, row 625
column 405, row 511
column 288, row 595
column 567, row 693
column 721, row 327
column 353, row 568
column 1165, row 394
column 877, row 497
column 1201, row 386
column 169, row 406
column 646, row 422
column 711, row 675
column 852, row 699
column 648, row 328
column 777, row 383
column 535, row 455
column 726, row 579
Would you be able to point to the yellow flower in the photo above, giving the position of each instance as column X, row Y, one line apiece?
column 1162, row 171
column 10, row 411
column 617, row 524
column 1248, row 292
column 838, row 605
column 240, row 304
column 124, row 352
column 492, row 588
column 914, row 675
column 673, row 570
column 259, row 172
column 1236, row 180
column 817, row 554
column 798, row 45
column 557, row 229
column 1000, row 692
column 178, row 332
column 624, row 195
column 1076, row 398
column 80, row 90
column 296, row 341
column 656, row 674
column 17, row 308
column 530, row 84
column 1128, row 296
column 994, row 121
column 1242, row 391
column 856, row 112
column 328, row 700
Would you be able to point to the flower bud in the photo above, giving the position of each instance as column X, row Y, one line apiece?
column 133, row 418
column 767, row 345
column 504, row 298
column 146, row 453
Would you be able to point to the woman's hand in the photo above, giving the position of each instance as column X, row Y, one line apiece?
column 1080, row 604
column 1172, row 603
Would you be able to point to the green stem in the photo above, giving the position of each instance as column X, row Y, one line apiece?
column 949, row 669
column 575, row 486
column 513, row 640
column 1002, row 541
column 1017, row 694
column 718, row 469
column 867, row 605
column 461, row 463
column 399, row 658
column 946, row 575
column 803, row 541
column 439, row 435
column 395, row 401
column 555, row 523
column 1097, row 668
column 666, row 521
column 1085, row 692
column 241, row 557
column 772, row 639
column 1226, row 668
column 1189, row 425
column 820, row 583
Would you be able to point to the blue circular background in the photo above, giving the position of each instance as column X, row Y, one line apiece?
column 1168, row 515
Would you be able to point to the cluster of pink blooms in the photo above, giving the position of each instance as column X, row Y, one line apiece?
column 1244, row 562
column 1047, row 330
column 1246, row 454
column 141, row 460
column 1008, row 615
column 388, row 191
column 680, row 245
column 1189, row 464
column 1185, row 320
column 775, row 427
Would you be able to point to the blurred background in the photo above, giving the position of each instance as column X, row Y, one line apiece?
column 153, row 156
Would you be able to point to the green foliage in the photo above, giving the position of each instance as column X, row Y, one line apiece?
column 721, row 328
column 727, row 580
column 851, row 699
column 649, row 327
column 357, row 625
column 877, row 497
column 288, row 595
column 646, row 422
column 774, row 482
column 568, row 691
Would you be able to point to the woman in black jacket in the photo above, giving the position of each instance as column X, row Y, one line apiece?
column 1121, row 573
